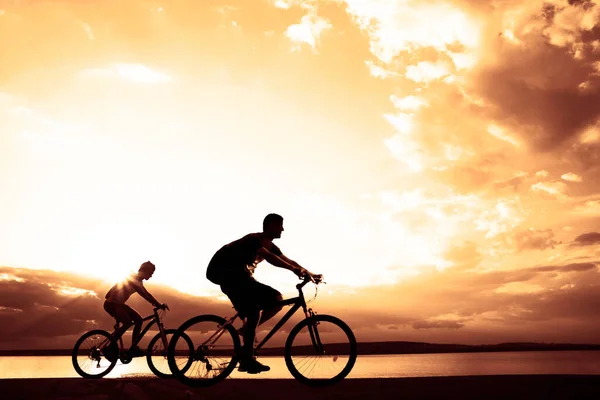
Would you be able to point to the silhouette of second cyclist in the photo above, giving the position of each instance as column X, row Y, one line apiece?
column 232, row 267
column 127, row 316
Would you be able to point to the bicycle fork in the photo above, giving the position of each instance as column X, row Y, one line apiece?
column 314, row 332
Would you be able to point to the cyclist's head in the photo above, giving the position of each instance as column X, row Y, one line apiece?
column 273, row 225
column 146, row 270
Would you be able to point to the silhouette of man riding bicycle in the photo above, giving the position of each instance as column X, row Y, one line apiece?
column 115, row 306
column 232, row 268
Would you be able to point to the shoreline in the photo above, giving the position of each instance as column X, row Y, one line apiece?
column 459, row 387
column 375, row 350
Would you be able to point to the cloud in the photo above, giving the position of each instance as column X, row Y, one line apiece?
column 553, row 188
column 283, row 4
column 533, row 239
column 395, row 27
column 309, row 30
column 590, row 135
column 509, row 305
column 40, row 313
column 38, row 305
column 571, row 177
column 425, row 71
column 587, row 239
column 501, row 134
column 546, row 111
column 437, row 325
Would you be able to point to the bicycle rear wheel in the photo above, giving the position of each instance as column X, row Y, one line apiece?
column 213, row 352
column 95, row 354
column 320, row 350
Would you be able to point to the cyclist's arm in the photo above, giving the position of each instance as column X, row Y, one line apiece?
column 146, row 295
column 290, row 261
column 276, row 260
column 300, row 270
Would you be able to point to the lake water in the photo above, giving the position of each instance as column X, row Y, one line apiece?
column 374, row 366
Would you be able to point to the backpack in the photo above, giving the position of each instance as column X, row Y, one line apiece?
column 214, row 273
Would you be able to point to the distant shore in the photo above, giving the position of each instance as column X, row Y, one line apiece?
column 463, row 387
column 381, row 348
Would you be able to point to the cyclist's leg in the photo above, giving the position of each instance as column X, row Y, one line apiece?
column 137, row 322
column 267, row 299
column 252, row 317
column 241, row 296
column 251, row 295
column 119, row 313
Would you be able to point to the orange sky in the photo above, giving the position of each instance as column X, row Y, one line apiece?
column 436, row 160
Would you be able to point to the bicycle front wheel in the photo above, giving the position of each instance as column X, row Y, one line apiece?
column 157, row 354
column 95, row 354
column 320, row 350
column 213, row 352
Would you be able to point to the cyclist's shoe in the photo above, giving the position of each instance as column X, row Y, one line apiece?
column 135, row 351
column 252, row 366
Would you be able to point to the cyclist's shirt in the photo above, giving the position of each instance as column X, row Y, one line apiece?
column 121, row 291
column 239, row 258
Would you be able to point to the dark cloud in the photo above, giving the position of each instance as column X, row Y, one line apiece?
column 558, row 285
column 586, row 158
column 34, row 305
column 546, row 117
column 437, row 325
column 35, row 313
column 38, row 314
column 575, row 267
column 530, row 302
column 534, row 88
column 587, row 239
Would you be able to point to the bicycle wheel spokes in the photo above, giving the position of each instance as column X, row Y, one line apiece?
column 213, row 356
column 95, row 354
column 320, row 350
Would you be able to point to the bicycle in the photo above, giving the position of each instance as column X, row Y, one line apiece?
column 219, row 360
column 105, row 349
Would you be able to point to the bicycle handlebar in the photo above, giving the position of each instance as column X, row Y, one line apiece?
column 308, row 278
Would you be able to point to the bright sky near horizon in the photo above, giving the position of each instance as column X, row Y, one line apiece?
column 434, row 143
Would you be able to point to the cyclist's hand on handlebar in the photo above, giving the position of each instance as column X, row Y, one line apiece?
column 316, row 278
column 300, row 272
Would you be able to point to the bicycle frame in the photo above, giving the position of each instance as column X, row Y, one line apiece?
column 295, row 302
column 154, row 319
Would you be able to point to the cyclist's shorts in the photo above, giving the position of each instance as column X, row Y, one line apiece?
column 122, row 312
column 247, row 294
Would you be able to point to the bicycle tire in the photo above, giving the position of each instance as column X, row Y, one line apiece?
column 320, row 382
column 149, row 354
column 180, row 375
column 75, row 353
